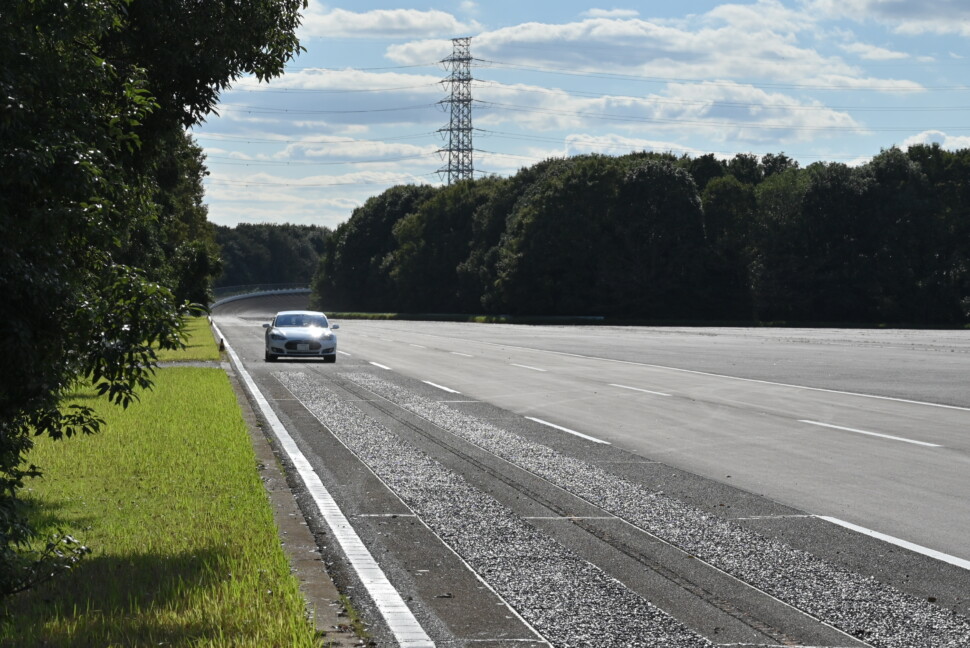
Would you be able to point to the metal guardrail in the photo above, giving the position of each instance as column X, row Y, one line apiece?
column 229, row 291
column 235, row 293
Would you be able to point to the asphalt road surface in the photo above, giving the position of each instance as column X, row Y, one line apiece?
column 608, row 486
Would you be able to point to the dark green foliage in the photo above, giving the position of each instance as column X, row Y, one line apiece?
column 102, row 230
column 547, row 261
column 262, row 254
column 430, row 244
column 705, row 168
column 651, row 236
column 352, row 274
column 730, row 208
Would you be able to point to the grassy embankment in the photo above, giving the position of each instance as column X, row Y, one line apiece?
column 185, row 551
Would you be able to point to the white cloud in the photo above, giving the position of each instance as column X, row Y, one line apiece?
column 873, row 53
column 577, row 144
column 352, row 151
column 382, row 23
column 718, row 110
column 350, row 80
column 949, row 142
column 762, row 17
column 755, row 43
column 903, row 16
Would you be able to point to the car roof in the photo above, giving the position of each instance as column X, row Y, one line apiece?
column 299, row 312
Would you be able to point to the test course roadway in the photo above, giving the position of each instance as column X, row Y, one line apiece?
column 849, row 447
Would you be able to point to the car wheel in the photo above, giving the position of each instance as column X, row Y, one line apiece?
column 332, row 358
column 270, row 357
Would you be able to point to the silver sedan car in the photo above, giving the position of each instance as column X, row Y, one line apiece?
column 301, row 334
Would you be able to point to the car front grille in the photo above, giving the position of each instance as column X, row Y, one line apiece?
column 292, row 346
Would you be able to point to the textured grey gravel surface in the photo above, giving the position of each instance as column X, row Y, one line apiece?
column 860, row 606
column 565, row 598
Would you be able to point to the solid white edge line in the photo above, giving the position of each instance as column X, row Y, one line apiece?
column 450, row 391
column 932, row 553
column 637, row 389
column 380, row 366
column 875, row 434
column 528, row 367
column 401, row 622
column 568, row 431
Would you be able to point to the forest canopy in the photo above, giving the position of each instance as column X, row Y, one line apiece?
column 103, row 235
column 657, row 237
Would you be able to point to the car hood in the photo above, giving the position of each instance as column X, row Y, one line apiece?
column 303, row 331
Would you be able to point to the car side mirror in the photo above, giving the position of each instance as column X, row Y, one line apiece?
column 334, row 327
column 266, row 325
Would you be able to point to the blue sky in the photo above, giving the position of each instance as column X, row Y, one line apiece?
column 359, row 111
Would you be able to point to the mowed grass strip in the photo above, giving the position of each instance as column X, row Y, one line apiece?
column 185, row 550
column 199, row 344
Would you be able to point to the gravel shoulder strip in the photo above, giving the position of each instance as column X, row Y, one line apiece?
column 565, row 598
column 860, row 606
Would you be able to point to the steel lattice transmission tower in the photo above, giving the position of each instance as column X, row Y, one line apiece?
column 459, row 129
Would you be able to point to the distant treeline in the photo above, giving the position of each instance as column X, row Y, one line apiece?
column 269, row 254
column 657, row 237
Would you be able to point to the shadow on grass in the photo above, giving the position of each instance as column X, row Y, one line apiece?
column 47, row 517
column 114, row 600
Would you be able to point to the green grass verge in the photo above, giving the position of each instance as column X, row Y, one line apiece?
column 185, row 550
column 200, row 345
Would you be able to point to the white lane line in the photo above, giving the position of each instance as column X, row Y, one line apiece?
column 380, row 366
column 345, row 353
column 450, row 391
column 568, row 431
column 932, row 553
column 463, row 355
column 395, row 611
column 875, row 434
column 418, row 346
column 636, row 389
column 695, row 372
column 528, row 367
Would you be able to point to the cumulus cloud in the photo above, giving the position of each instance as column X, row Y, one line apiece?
column 319, row 22
column 352, row 151
column 719, row 110
column 757, row 43
column 949, row 142
column 903, row 16
column 873, row 53
column 345, row 80
column 579, row 143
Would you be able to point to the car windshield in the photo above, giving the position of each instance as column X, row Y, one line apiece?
column 304, row 320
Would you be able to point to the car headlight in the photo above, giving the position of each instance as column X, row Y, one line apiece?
column 329, row 337
column 277, row 336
